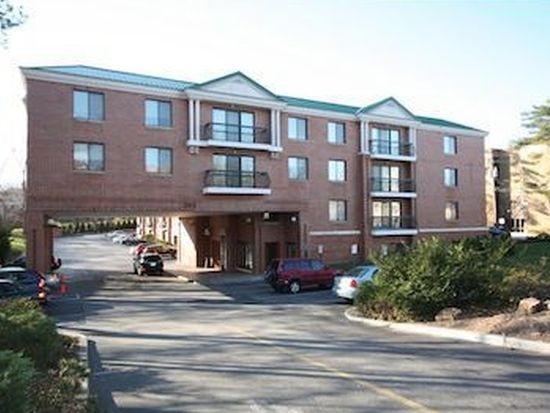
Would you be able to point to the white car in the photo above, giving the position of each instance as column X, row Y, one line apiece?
column 346, row 286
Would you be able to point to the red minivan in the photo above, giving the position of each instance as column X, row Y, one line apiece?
column 293, row 274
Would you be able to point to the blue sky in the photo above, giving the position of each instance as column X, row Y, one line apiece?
column 480, row 63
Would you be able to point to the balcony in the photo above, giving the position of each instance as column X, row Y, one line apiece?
column 236, row 183
column 393, row 188
column 235, row 136
column 393, row 225
column 392, row 150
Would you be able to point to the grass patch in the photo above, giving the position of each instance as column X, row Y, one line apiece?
column 18, row 244
column 530, row 253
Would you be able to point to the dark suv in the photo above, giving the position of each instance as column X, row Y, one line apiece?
column 148, row 264
column 293, row 274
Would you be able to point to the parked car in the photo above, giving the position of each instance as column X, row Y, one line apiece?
column 21, row 262
column 10, row 289
column 147, row 264
column 133, row 240
column 115, row 233
column 165, row 251
column 294, row 274
column 347, row 286
column 29, row 283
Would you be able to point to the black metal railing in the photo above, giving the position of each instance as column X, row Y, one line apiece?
column 392, row 185
column 393, row 222
column 236, row 179
column 227, row 132
column 387, row 147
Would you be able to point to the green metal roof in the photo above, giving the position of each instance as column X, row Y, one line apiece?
column 180, row 85
column 445, row 123
column 316, row 104
column 117, row 76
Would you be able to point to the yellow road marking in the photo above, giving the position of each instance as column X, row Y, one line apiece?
column 382, row 391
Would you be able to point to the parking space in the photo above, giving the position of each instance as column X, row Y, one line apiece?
column 230, row 343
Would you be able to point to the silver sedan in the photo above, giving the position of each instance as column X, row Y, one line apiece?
column 346, row 286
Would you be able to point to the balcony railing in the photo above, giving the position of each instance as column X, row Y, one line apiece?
column 392, row 185
column 236, row 179
column 387, row 147
column 393, row 222
column 227, row 132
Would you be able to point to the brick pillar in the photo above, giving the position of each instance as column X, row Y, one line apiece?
column 39, row 241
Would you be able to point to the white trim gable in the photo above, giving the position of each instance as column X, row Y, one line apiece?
column 236, row 85
column 390, row 109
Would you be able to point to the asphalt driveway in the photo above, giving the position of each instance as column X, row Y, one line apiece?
column 233, row 345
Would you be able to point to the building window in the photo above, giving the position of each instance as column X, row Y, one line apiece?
column 297, row 168
column 158, row 160
column 158, row 113
column 88, row 105
column 450, row 177
column 337, row 210
column 451, row 211
column 234, row 126
column 385, row 178
column 234, row 171
column 336, row 171
column 386, row 142
column 88, row 156
column 387, row 214
column 336, row 132
column 449, row 145
column 297, row 128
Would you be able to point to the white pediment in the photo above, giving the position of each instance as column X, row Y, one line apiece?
column 391, row 109
column 237, row 85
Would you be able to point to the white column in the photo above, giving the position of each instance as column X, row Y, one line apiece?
column 362, row 137
column 191, row 104
column 198, row 120
column 278, row 127
column 412, row 140
column 273, row 128
column 365, row 137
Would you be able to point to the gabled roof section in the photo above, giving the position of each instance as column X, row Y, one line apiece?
column 446, row 124
column 318, row 105
column 116, row 76
column 389, row 107
column 236, row 83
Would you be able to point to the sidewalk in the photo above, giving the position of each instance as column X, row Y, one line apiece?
column 208, row 276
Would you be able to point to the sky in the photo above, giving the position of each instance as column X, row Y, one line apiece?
column 480, row 63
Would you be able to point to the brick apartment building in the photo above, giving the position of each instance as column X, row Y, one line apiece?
column 519, row 188
column 236, row 175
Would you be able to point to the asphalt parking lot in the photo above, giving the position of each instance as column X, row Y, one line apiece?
column 231, row 344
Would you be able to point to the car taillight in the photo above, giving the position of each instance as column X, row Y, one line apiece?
column 353, row 284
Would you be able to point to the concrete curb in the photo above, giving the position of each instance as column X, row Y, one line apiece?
column 496, row 340
column 82, row 353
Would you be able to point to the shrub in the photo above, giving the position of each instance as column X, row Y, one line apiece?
column 525, row 282
column 56, row 390
column 24, row 328
column 433, row 274
column 16, row 375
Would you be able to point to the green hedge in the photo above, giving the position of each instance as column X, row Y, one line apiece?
column 433, row 274
column 35, row 358
column 16, row 378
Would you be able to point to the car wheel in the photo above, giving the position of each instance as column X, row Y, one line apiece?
column 135, row 270
column 294, row 287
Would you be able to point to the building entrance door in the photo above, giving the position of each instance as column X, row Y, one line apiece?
column 271, row 251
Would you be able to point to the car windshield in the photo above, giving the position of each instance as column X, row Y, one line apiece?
column 357, row 271
column 152, row 258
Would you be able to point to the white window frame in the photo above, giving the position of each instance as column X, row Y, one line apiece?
column 337, row 170
column 337, row 210
column 294, row 168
